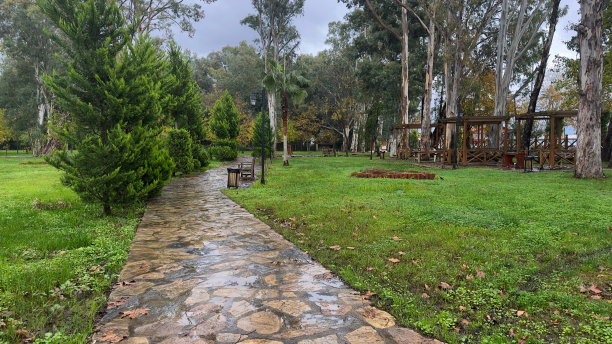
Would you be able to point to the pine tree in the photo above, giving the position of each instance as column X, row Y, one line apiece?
column 184, row 107
column 225, row 122
column 112, row 92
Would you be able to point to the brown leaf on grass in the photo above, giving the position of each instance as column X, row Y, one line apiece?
column 555, row 322
column 511, row 333
column 135, row 313
column 425, row 296
column 415, row 261
column 373, row 216
column 426, row 287
column 335, row 247
column 292, row 219
column 394, row 260
column 464, row 267
column 574, row 233
column 445, row 285
column 480, row 274
column 522, row 340
column 350, row 248
column 465, row 322
column 462, row 308
column 596, row 297
column 111, row 337
column 396, row 238
column 23, row 335
column 469, row 277
column 120, row 301
column 601, row 318
column 582, row 289
column 401, row 253
column 556, row 311
column 300, row 234
column 520, row 313
column 368, row 295
column 369, row 268
column 594, row 290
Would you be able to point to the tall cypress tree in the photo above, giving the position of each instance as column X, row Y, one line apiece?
column 184, row 107
column 112, row 93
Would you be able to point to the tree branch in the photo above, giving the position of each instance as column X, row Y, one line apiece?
column 388, row 28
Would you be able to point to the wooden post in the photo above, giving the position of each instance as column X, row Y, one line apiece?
column 566, row 142
column 553, row 142
column 506, row 138
column 465, row 137
column 498, row 136
column 518, row 136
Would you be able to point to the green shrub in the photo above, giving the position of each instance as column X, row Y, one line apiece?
column 200, row 156
column 223, row 153
column 179, row 146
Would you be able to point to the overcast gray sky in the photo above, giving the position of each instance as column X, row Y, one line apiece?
column 221, row 26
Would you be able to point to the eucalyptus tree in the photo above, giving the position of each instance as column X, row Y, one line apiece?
column 33, row 57
column 292, row 87
column 277, row 36
column 541, row 70
column 162, row 15
column 590, row 41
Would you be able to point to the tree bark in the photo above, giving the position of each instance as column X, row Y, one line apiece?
column 588, row 146
column 284, row 109
column 425, row 142
column 535, row 93
column 272, row 114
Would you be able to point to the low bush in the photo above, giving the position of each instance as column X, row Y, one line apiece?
column 223, row 153
column 179, row 146
column 200, row 156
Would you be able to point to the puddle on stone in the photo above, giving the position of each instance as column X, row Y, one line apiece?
column 178, row 245
column 321, row 297
column 259, row 248
column 295, row 254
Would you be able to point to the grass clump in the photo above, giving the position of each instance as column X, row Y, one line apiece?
column 479, row 255
column 58, row 255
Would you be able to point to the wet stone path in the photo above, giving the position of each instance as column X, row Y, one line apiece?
column 203, row 270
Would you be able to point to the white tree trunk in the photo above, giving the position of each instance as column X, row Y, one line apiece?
column 405, row 106
column 425, row 142
column 588, row 146
column 272, row 113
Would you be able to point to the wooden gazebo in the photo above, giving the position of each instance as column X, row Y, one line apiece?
column 402, row 134
column 553, row 149
column 478, row 150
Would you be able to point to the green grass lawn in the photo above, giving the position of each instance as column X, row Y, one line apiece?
column 58, row 256
column 484, row 255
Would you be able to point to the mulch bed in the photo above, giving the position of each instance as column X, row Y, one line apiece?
column 395, row 174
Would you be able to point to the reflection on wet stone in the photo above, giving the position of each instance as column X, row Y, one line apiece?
column 210, row 272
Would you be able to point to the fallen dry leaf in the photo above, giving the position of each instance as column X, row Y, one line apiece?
column 111, row 337
column 350, row 248
column 135, row 313
column 596, row 297
column 369, row 268
column 444, row 285
column 522, row 340
column 394, row 260
column 23, row 334
column 415, row 261
column 594, row 290
column 464, row 267
column 426, row 287
column 335, row 247
column 556, row 311
column 396, row 238
column 401, row 253
column 519, row 313
column 461, row 308
column 117, row 302
column 465, row 322
column 325, row 276
column 469, row 277
column 582, row 289
column 292, row 219
column 511, row 333
column 425, row 296
column 480, row 274
column 600, row 318
column 374, row 216
column 368, row 295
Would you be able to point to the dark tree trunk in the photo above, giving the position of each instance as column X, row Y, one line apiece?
column 606, row 153
column 588, row 147
column 107, row 209
column 535, row 93
column 284, row 108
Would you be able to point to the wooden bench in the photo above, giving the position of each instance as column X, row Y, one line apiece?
column 247, row 170
column 327, row 151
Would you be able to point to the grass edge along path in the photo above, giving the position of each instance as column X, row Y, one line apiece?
column 58, row 255
column 481, row 255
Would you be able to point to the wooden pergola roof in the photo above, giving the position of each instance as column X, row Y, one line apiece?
column 542, row 115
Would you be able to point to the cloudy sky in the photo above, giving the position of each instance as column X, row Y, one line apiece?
column 222, row 27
